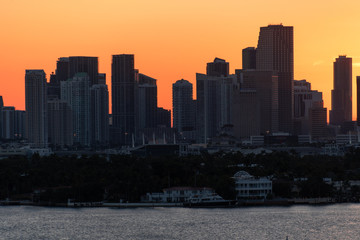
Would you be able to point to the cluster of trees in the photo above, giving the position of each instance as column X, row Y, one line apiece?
column 97, row 178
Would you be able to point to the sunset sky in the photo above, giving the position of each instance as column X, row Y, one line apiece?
column 172, row 39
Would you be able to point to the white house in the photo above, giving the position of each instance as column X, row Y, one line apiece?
column 250, row 188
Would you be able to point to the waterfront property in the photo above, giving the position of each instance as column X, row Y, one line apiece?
column 249, row 187
column 177, row 194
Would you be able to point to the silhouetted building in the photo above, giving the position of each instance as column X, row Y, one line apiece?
column 87, row 65
column 183, row 106
column 275, row 51
column 1, row 106
column 249, row 58
column 265, row 83
column 36, row 108
column 246, row 113
column 163, row 117
column 147, row 102
column 60, row 123
column 62, row 69
column 214, row 105
column 8, row 123
column 318, row 120
column 99, row 114
column 341, row 95
column 20, row 124
column 304, row 99
column 217, row 68
column 102, row 78
column 76, row 92
column 124, row 99
column 53, row 87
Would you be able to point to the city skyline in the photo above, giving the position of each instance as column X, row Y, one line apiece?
column 176, row 48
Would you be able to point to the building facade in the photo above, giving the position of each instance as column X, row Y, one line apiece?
column 36, row 108
column 250, row 188
column 275, row 51
column 341, row 95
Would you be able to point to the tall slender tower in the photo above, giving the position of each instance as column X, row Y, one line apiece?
column 183, row 106
column 358, row 99
column 124, row 87
column 341, row 95
column 275, row 51
column 36, row 108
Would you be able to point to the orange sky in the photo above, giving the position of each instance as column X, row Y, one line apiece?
column 171, row 39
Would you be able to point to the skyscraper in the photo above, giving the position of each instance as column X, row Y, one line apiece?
column 147, row 102
column 275, row 51
column 217, row 68
column 76, row 92
column 341, row 95
column 124, row 98
column 87, row 65
column 36, row 108
column 183, row 106
column 249, row 58
column 99, row 114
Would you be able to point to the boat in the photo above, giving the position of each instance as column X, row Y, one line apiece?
column 209, row 200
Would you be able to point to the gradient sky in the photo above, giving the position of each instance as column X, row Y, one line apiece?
column 172, row 39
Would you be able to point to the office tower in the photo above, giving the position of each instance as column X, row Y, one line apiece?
column 275, row 51
column 304, row 99
column 163, row 117
column 53, row 87
column 249, row 58
column 20, row 124
column 99, row 114
column 124, row 97
column 341, row 95
column 62, row 69
column 183, row 106
column 36, row 108
column 8, row 123
column 147, row 102
column 265, row 83
column 318, row 120
column 358, row 99
column 60, row 123
column 214, row 105
column 76, row 92
column 87, row 65
column 217, row 68
column 246, row 113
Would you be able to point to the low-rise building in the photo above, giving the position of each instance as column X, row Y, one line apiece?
column 249, row 187
column 177, row 194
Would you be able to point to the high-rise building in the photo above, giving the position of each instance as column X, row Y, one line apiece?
column 62, row 69
column 341, row 95
column 36, row 108
column 183, row 106
column 124, row 86
column 318, row 119
column 304, row 99
column 87, row 65
column 214, row 105
column 275, row 51
column 76, row 92
column 249, row 58
column 99, row 114
column 217, row 68
column 163, row 117
column 20, row 124
column 8, row 123
column 147, row 102
column 53, row 87
column 60, row 123
column 265, row 83
column 1, row 106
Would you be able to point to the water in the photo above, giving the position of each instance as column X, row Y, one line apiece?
column 339, row 221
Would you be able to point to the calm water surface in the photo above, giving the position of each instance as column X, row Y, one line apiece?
column 340, row 221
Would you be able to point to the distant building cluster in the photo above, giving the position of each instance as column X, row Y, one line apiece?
column 259, row 104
